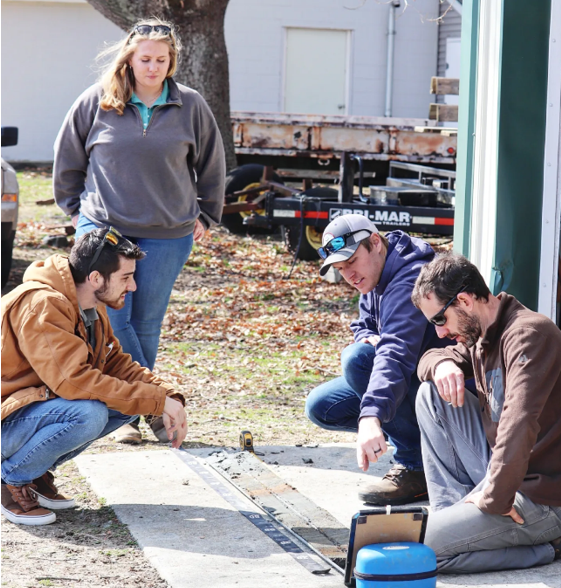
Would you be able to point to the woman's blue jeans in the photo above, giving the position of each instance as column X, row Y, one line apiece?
column 138, row 324
column 42, row 435
column 335, row 405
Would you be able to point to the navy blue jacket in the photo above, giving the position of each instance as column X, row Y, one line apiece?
column 405, row 334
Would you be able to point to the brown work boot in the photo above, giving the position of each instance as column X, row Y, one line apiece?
column 48, row 495
column 128, row 434
column 398, row 486
column 157, row 426
column 20, row 506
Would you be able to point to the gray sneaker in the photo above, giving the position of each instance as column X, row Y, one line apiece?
column 157, row 426
column 398, row 486
column 128, row 434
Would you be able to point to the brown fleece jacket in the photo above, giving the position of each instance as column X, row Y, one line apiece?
column 45, row 350
column 517, row 371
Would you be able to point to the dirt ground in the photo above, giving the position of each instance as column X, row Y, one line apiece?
column 244, row 344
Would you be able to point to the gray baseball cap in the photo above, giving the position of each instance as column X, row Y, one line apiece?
column 342, row 225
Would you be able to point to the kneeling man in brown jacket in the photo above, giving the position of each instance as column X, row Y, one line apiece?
column 492, row 459
column 65, row 379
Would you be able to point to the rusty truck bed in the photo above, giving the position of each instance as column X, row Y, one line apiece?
column 327, row 137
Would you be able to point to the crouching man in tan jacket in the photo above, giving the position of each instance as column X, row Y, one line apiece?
column 65, row 379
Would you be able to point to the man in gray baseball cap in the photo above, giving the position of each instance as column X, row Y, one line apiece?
column 375, row 396
column 342, row 237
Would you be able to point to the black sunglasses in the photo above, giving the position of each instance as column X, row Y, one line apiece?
column 146, row 29
column 337, row 243
column 112, row 237
column 439, row 319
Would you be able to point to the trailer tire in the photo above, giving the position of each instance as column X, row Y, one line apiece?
column 311, row 241
column 237, row 180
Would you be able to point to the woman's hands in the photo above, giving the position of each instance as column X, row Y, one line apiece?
column 199, row 231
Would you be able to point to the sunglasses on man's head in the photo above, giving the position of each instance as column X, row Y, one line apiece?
column 112, row 237
column 338, row 243
column 439, row 319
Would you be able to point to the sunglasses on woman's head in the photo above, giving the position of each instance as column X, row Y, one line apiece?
column 337, row 243
column 111, row 237
column 146, row 29
column 439, row 319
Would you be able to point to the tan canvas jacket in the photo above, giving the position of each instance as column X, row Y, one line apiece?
column 45, row 350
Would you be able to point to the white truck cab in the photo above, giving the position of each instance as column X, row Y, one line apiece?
column 10, row 203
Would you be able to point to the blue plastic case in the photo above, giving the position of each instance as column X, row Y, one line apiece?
column 381, row 526
column 395, row 565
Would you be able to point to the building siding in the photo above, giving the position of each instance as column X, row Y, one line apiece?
column 256, row 77
column 450, row 25
column 56, row 68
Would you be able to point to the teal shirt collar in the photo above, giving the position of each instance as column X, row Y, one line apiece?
column 162, row 99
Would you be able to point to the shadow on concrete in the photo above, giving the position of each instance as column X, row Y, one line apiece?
column 210, row 531
column 202, row 530
column 548, row 576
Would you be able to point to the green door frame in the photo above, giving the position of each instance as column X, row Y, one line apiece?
column 523, row 71
column 466, row 126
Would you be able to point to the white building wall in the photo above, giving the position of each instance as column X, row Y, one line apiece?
column 48, row 52
column 255, row 40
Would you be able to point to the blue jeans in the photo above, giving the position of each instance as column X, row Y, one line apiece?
column 456, row 455
column 42, row 435
column 137, row 325
column 335, row 405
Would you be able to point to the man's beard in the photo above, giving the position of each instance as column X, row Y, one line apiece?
column 114, row 303
column 469, row 328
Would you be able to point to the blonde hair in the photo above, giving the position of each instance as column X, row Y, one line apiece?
column 117, row 78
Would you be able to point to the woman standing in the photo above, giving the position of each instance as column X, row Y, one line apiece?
column 142, row 153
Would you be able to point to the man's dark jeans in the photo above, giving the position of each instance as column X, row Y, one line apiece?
column 335, row 405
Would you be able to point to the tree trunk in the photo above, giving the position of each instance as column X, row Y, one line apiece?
column 204, row 59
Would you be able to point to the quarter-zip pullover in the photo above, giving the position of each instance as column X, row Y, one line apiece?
column 148, row 183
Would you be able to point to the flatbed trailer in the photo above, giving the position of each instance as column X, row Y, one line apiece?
column 416, row 198
column 390, row 159
column 318, row 141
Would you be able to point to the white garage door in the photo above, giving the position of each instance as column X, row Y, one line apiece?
column 316, row 71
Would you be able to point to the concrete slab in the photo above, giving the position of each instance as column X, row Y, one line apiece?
column 196, row 538
column 191, row 534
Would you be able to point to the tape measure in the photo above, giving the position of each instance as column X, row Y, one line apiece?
column 246, row 441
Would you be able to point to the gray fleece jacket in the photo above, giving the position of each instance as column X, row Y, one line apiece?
column 151, row 183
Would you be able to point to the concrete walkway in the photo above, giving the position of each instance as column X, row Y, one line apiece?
column 195, row 537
